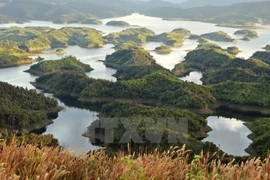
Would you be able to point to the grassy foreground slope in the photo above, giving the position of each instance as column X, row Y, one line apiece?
column 31, row 162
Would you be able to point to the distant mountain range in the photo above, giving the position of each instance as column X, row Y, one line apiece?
column 71, row 11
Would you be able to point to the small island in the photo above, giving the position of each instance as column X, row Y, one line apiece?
column 69, row 63
column 247, row 34
column 163, row 49
column 118, row 23
column 219, row 36
column 233, row 50
column 60, row 51
column 174, row 38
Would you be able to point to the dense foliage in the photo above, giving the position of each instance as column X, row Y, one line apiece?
column 134, row 35
column 21, row 108
column 174, row 38
column 240, row 70
column 260, row 144
column 39, row 38
column 262, row 55
column 68, row 64
column 129, row 57
column 118, row 23
column 243, row 93
column 219, row 36
column 237, row 15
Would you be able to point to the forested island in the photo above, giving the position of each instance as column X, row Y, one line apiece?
column 247, row 34
column 68, row 63
column 219, row 36
column 163, row 49
column 118, row 23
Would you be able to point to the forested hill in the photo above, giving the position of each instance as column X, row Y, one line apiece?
column 255, row 12
column 21, row 109
column 201, row 3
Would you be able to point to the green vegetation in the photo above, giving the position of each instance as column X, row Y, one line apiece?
column 32, row 39
column 262, row 55
column 163, row 49
column 247, row 34
column 243, row 93
column 129, row 57
column 260, row 137
column 267, row 47
column 76, row 18
column 134, row 35
column 151, row 119
column 118, row 23
column 68, row 64
column 219, row 36
column 24, row 110
column 233, row 16
column 233, row 50
column 126, row 45
column 155, row 88
column 208, row 45
column 174, row 38
column 204, row 58
column 17, row 43
column 240, row 70
column 136, row 72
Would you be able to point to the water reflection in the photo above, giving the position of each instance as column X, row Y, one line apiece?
column 229, row 134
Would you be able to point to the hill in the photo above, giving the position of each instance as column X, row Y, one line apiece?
column 23, row 111
column 243, row 14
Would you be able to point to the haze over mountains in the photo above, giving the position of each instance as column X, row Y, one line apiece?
column 199, row 3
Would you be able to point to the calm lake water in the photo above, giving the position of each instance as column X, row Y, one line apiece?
column 229, row 134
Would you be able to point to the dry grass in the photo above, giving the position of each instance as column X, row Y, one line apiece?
column 30, row 162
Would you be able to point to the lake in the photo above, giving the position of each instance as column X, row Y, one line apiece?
column 72, row 121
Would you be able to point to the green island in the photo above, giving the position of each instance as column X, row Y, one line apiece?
column 174, row 38
column 30, row 111
column 134, row 35
column 247, row 34
column 118, row 23
column 267, row 47
column 233, row 50
column 68, row 63
column 219, row 36
column 163, row 49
